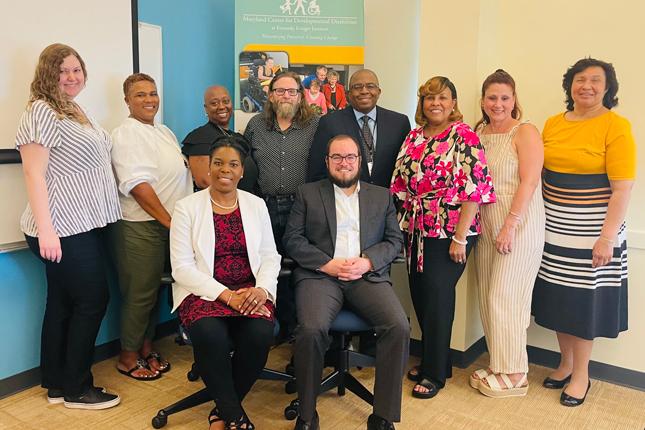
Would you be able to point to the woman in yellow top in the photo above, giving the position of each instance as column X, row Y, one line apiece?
column 589, row 170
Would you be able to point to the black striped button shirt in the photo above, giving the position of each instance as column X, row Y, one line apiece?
column 80, row 183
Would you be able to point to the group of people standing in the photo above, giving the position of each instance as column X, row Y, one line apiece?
column 500, row 189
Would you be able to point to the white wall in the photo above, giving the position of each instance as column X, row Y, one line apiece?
column 100, row 32
column 536, row 42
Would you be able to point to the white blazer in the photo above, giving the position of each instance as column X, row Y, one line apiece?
column 192, row 246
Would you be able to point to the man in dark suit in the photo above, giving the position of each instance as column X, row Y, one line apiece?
column 344, row 235
column 379, row 131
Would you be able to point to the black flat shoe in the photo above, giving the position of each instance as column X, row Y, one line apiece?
column 555, row 384
column 567, row 400
column 374, row 422
column 428, row 385
column 311, row 425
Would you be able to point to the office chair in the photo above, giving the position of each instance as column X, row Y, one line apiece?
column 202, row 396
column 342, row 359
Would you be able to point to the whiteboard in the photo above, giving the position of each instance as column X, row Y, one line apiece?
column 102, row 35
column 151, row 58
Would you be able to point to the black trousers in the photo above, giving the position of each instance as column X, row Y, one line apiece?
column 77, row 297
column 228, row 379
column 433, row 297
column 279, row 209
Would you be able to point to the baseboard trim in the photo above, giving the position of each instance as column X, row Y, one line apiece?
column 30, row 378
column 461, row 359
column 597, row 370
column 544, row 357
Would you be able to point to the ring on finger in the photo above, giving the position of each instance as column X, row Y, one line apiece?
column 255, row 302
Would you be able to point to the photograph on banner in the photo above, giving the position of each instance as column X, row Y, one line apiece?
column 323, row 83
column 320, row 40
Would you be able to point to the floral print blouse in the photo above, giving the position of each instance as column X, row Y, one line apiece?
column 432, row 177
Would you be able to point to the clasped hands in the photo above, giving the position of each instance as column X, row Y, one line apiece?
column 347, row 269
column 248, row 301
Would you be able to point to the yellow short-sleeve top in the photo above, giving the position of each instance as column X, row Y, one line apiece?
column 603, row 144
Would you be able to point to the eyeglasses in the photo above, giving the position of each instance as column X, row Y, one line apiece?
column 337, row 158
column 290, row 91
column 359, row 87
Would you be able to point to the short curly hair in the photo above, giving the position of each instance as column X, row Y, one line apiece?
column 434, row 86
column 611, row 82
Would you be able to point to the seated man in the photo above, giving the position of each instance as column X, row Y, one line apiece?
column 344, row 235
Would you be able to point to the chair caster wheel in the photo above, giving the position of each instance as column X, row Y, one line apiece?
column 160, row 420
column 290, row 387
column 291, row 411
column 192, row 375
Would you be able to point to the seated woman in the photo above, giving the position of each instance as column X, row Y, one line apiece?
column 315, row 98
column 266, row 73
column 225, row 267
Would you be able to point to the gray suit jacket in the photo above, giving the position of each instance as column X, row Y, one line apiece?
column 310, row 233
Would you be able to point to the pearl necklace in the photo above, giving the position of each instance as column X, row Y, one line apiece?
column 228, row 208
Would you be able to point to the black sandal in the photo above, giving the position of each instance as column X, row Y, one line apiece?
column 164, row 365
column 242, row 423
column 413, row 373
column 428, row 385
column 140, row 364
column 213, row 417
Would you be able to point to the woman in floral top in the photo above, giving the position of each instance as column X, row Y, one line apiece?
column 439, row 181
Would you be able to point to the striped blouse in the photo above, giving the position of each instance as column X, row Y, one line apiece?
column 80, row 183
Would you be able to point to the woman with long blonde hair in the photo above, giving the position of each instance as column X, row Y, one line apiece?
column 72, row 197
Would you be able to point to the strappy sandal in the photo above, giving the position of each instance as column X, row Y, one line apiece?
column 213, row 417
column 428, row 385
column 477, row 376
column 413, row 373
column 494, row 389
column 242, row 423
column 164, row 365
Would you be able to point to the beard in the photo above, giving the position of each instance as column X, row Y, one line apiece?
column 285, row 110
column 341, row 182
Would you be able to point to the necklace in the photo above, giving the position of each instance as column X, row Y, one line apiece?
column 224, row 131
column 228, row 208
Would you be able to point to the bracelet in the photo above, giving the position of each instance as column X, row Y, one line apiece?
column 266, row 294
column 606, row 239
column 230, row 296
column 460, row 242
column 513, row 214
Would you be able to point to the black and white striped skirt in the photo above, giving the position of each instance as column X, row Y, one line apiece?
column 569, row 295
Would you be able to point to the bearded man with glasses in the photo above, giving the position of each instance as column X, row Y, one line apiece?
column 379, row 131
column 280, row 138
column 343, row 233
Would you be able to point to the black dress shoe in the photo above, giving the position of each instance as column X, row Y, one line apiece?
column 554, row 383
column 374, row 422
column 567, row 400
column 304, row 425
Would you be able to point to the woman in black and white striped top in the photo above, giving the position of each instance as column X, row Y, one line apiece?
column 72, row 196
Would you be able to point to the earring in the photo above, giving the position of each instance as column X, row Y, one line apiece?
column 209, row 173
column 241, row 176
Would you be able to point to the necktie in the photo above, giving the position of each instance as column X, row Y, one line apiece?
column 368, row 139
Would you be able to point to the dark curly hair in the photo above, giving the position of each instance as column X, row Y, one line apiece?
column 236, row 141
column 611, row 83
